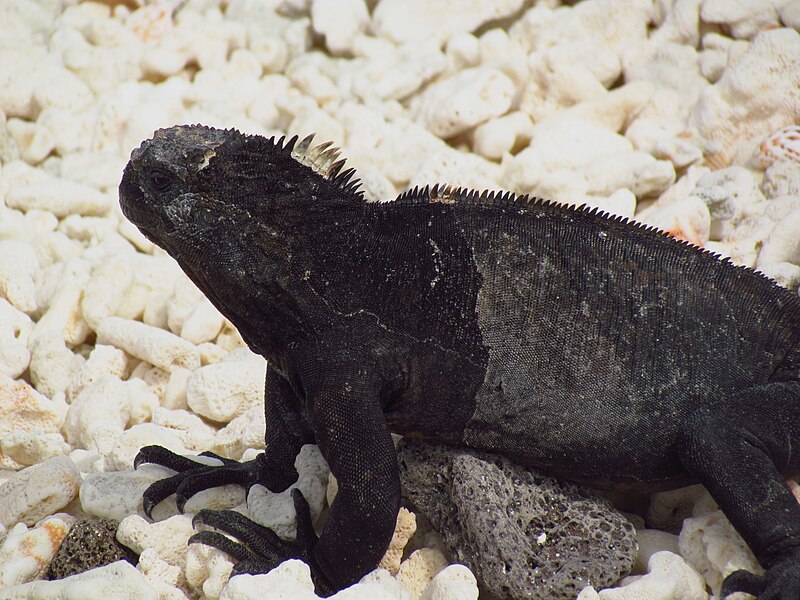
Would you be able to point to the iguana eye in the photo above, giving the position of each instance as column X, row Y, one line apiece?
column 161, row 180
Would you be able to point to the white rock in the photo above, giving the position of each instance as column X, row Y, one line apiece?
column 119, row 494
column 455, row 581
column 203, row 324
column 38, row 491
column 499, row 136
column 651, row 541
column 713, row 547
column 106, row 288
column 195, row 434
column 117, row 580
column 156, row 346
column 62, row 316
column 419, row 569
column 458, row 169
column 103, row 360
column 18, row 264
column 466, row 99
column 290, row 579
column 669, row 578
column 498, row 50
column 378, row 584
column 25, row 552
column 168, row 538
column 243, row 432
column 276, row 511
column 750, row 101
column 784, row 273
column 62, row 197
column 98, row 415
column 20, row 449
column 743, row 19
column 207, row 569
column 52, row 364
column 463, row 50
column 340, row 22
column 15, row 326
column 790, row 14
column 22, row 408
column 783, row 244
column 167, row 579
column 681, row 23
column 400, row 71
column 130, row 441
column 223, row 391
column 687, row 219
column 402, row 21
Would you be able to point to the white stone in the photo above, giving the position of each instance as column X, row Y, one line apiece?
column 401, row 21
column 468, row 98
column 38, row 491
column 499, row 136
column 750, row 101
column 223, row 391
column 22, row 408
column 399, row 72
column 340, row 22
column 128, row 443
column 203, row 324
column 25, row 552
column 785, row 274
column 15, row 326
column 62, row 309
column 20, row 449
column 742, row 18
column 783, row 243
column 458, row 169
column 52, row 365
column 243, row 432
column 669, row 578
column 167, row 579
column 419, row 569
column 207, row 569
column 276, row 510
column 687, row 219
column 156, row 346
column 103, row 360
column 116, row 495
column 651, row 541
column 117, row 580
column 790, row 14
column 169, row 538
column 18, row 264
column 195, row 433
column 455, row 581
column 98, row 415
column 62, row 197
column 713, row 547
column 290, row 579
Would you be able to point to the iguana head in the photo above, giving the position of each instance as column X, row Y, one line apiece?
column 191, row 184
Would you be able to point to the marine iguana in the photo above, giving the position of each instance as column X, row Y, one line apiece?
column 592, row 347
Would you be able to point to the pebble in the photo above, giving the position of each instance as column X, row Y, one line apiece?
column 678, row 114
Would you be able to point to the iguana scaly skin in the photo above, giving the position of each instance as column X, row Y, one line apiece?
column 589, row 346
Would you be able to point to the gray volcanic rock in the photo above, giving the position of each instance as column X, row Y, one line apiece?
column 524, row 535
column 90, row 543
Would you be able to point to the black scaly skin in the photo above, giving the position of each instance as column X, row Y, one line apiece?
column 593, row 348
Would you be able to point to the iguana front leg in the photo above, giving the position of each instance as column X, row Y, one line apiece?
column 286, row 432
column 351, row 432
column 741, row 450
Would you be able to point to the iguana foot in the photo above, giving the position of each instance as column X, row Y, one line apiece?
column 780, row 582
column 259, row 549
column 193, row 477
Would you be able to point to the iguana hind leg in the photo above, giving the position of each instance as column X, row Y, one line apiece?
column 742, row 449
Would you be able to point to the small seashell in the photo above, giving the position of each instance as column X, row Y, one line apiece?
column 783, row 145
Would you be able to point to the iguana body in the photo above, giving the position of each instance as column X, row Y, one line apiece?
column 588, row 346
